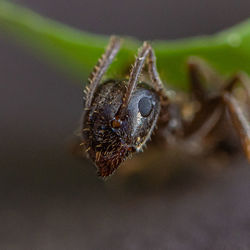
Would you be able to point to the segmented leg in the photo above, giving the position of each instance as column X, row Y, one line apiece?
column 93, row 82
column 241, row 78
column 199, row 71
column 101, row 68
column 239, row 119
column 196, row 88
column 159, row 87
column 210, row 106
column 145, row 52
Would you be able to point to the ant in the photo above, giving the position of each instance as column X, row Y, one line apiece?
column 120, row 115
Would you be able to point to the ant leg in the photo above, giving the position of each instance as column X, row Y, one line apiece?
column 204, row 121
column 241, row 78
column 210, row 107
column 145, row 52
column 205, row 118
column 133, row 78
column 239, row 119
column 198, row 70
column 196, row 88
column 101, row 68
column 78, row 145
column 214, row 108
column 152, row 70
column 160, row 88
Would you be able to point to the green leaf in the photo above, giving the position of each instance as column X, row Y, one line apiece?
column 76, row 52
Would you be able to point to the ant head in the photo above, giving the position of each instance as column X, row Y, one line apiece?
column 110, row 137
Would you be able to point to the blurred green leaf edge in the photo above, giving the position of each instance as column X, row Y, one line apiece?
column 76, row 52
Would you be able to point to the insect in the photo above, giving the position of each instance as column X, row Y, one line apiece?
column 120, row 115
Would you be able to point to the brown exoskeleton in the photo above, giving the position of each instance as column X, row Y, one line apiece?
column 120, row 115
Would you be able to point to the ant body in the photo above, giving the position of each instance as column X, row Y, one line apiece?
column 120, row 115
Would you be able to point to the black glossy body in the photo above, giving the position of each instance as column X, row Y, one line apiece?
column 108, row 146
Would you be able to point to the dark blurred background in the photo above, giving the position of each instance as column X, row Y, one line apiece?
column 51, row 200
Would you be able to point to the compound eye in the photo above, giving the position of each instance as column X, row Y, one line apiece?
column 145, row 106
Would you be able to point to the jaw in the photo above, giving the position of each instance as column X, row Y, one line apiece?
column 108, row 162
